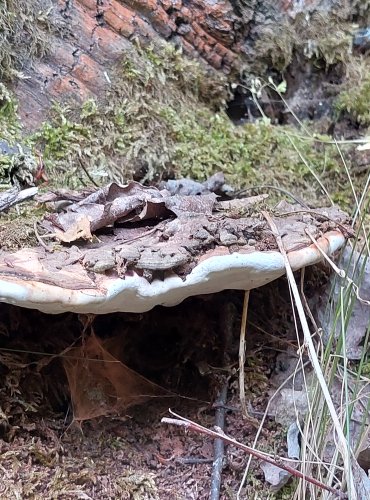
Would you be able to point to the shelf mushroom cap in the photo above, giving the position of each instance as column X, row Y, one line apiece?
column 186, row 252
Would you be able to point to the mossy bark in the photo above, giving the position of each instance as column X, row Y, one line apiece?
column 139, row 89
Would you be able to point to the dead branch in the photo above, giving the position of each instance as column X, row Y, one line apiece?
column 13, row 196
column 278, row 462
column 39, row 238
column 193, row 461
column 219, row 445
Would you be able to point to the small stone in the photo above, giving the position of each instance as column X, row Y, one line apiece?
column 203, row 235
column 252, row 242
column 227, row 238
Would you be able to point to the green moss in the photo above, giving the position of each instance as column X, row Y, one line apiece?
column 355, row 100
column 22, row 163
column 61, row 136
column 24, row 28
column 319, row 37
column 9, row 124
column 128, row 129
column 159, row 118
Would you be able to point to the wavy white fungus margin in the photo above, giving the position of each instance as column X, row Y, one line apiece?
column 238, row 271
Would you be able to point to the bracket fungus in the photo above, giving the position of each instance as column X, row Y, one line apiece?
column 130, row 248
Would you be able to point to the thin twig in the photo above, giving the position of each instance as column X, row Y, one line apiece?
column 87, row 173
column 219, row 445
column 39, row 239
column 192, row 426
column 193, row 461
column 307, row 307
column 276, row 188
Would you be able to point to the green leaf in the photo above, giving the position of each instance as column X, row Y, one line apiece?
column 281, row 88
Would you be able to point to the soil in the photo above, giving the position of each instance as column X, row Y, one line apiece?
column 46, row 453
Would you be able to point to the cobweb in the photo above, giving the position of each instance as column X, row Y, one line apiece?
column 102, row 385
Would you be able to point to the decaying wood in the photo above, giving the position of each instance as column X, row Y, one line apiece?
column 88, row 38
column 14, row 195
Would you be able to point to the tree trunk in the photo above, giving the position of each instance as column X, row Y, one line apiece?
column 85, row 38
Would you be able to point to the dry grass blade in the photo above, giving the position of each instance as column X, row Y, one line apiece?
column 342, row 442
column 242, row 362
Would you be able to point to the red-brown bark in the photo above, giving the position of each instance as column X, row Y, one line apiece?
column 94, row 34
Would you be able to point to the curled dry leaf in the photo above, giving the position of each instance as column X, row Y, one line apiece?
column 79, row 231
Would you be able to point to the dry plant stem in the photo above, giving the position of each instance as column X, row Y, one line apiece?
column 192, row 426
column 87, row 173
column 242, row 354
column 193, row 461
column 281, row 386
column 242, row 362
column 312, row 171
column 276, row 188
column 307, row 307
column 219, row 445
column 342, row 442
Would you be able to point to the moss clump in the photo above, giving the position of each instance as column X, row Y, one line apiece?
column 355, row 99
column 159, row 119
column 24, row 28
column 128, row 130
column 61, row 136
column 9, row 124
column 18, row 164
column 164, row 115
column 319, row 37
column 17, row 228
column 138, row 485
